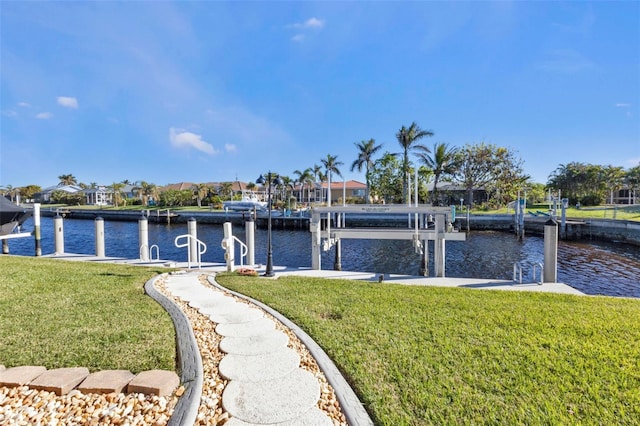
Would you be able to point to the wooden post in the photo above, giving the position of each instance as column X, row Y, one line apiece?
column 337, row 263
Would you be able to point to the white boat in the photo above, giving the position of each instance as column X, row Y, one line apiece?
column 249, row 201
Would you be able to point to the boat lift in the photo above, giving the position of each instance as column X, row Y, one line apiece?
column 326, row 237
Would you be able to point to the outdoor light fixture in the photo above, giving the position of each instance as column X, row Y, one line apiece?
column 272, row 179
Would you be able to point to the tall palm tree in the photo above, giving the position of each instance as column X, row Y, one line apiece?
column 408, row 139
column 68, row 179
column 331, row 164
column 366, row 150
column 200, row 190
column 441, row 161
column 305, row 178
column 318, row 176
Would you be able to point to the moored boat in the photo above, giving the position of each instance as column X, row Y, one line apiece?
column 248, row 202
column 11, row 216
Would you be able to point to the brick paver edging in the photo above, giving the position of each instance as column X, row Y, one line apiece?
column 351, row 406
column 189, row 359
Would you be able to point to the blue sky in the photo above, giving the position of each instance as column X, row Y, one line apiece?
column 213, row 91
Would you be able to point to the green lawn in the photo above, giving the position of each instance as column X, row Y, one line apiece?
column 429, row 355
column 65, row 314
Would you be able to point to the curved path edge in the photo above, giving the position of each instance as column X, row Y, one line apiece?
column 189, row 359
column 352, row 408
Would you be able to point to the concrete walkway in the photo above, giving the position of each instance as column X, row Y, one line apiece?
column 266, row 383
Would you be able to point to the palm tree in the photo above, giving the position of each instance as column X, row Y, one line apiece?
column 146, row 190
column 331, row 164
column 200, row 190
column 613, row 179
column 305, row 178
column 366, row 150
column 408, row 138
column 226, row 190
column 10, row 191
column 442, row 161
column 67, row 179
column 318, row 177
column 117, row 192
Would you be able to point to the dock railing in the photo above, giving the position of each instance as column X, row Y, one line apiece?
column 201, row 248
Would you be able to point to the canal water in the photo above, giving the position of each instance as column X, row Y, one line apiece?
column 597, row 268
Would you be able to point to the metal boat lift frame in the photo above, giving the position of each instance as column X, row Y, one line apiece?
column 419, row 233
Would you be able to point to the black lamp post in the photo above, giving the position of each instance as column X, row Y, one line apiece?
column 272, row 179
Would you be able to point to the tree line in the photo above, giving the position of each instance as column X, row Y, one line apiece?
column 389, row 177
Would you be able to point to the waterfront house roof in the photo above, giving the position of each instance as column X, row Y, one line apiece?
column 236, row 185
column 177, row 186
column 350, row 184
column 66, row 188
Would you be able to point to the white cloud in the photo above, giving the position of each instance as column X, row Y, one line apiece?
column 24, row 104
column 229, row 147
column 10, row 113
column 67, row 102
column 309, row 23
column 44, row 116
column 298, row 38
column 623, row 105
column 183, row 139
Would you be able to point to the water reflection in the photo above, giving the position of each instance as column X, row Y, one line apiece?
column 591, row 267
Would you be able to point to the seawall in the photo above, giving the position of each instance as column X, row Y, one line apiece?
column 625, row 231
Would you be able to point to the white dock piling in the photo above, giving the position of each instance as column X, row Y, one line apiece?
column 227, row 244
column 99, row 225
column 36, row 228
column 192, row 229
column 58, row 226
column 143, row 238
column 439, row 246
column 249, row 229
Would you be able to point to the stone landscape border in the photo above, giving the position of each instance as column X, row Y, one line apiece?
column 189, row 359
column 352, row 408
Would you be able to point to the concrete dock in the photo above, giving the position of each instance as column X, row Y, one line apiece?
column 476, row 283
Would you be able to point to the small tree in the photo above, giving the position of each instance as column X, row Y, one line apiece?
column 386, row 179
column 496, row 169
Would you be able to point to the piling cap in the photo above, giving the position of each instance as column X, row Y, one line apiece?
column 550, row 222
